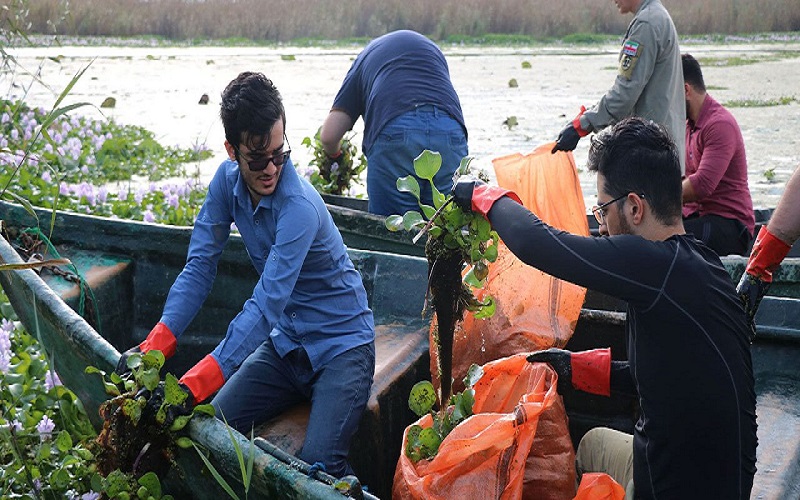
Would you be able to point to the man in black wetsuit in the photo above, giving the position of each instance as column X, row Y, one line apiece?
column 688, row 338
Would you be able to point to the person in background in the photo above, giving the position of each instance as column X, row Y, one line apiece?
column 689, row 363
column 717, row 208
column 773, row 243
column 306, row 334
column 400, row 84
column 649, row 80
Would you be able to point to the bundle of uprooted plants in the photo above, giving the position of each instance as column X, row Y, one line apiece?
column 139, row 437
column 456, row 240
column 338, row 175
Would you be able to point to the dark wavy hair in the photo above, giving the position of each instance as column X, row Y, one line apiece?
column 638, row 156
column 251, row 105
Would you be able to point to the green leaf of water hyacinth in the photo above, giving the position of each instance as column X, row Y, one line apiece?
column 422, row 398
column 408, row 184
column 412, row 220
column 394, row 223
column 427, row 164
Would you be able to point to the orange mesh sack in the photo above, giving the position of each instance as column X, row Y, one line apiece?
column 534, row 310
column 599, row 486
column 485, row 455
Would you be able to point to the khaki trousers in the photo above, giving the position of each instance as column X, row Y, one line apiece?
column 610, row 451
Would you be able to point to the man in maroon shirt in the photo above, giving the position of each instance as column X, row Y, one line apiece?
column 717, row 208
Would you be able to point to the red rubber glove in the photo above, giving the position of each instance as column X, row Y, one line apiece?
column 161, row 339
column 203, row 379
column 476, row 196
column 576, row 123
column 588, row 371
column 568, row 138
column 768, row 252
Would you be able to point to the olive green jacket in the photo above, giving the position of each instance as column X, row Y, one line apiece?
column 649, row 82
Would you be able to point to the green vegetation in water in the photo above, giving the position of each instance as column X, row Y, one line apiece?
column 760, row 103
column 91, row 166
column 589, row 39
column 334, row 176
column 423, row 443
column 733, row 61
column 513, row 39
column 45, row 434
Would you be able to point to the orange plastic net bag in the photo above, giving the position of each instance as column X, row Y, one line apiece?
column 599, row 486
column 485, row 456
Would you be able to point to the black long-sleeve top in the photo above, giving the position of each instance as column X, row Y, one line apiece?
column 688, row 350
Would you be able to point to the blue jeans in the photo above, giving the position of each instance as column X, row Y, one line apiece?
column 266, row 385
column 392, row 156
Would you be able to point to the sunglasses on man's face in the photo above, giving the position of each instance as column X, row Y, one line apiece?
column 260, row 163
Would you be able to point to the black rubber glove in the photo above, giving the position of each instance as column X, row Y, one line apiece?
column 122, row 365
column 567, row 139
column 463, row 190
column 171, row 411
column 751, row 289
column 561, row 361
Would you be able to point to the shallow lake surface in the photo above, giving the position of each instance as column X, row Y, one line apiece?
column 159, row 88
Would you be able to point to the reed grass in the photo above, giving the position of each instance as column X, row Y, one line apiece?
column 281, row 21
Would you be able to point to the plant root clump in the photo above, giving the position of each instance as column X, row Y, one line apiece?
column 447, row 298
column 133, row 445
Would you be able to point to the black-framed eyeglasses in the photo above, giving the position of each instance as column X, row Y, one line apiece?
column 259, row 164
column 600, row 211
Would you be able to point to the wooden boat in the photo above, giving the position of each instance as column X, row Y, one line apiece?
column 130, row 266
column 361, row 229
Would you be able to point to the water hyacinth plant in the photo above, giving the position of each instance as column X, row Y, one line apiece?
column 423, row 443
column 96, row 167
column 45, row 435
column 456, row 239
column 337, row 177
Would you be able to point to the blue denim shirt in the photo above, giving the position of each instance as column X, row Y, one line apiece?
column 309, row 294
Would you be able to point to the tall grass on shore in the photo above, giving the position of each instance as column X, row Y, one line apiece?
column 280, row 21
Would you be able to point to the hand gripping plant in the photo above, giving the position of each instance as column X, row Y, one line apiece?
column 335, row 175
column 456, row 240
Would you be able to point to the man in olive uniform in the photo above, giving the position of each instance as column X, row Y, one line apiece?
column 649, row 83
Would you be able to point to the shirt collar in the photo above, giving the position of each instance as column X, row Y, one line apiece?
column 705, row 112
column 288, row 183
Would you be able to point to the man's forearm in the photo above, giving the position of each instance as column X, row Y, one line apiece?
column 330, row 135
column 785, row 221
column 688, row 191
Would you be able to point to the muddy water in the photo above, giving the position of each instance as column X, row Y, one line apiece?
column 159, row 88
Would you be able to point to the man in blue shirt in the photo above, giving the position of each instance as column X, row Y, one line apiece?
column 400, row 84
column 307, row 333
